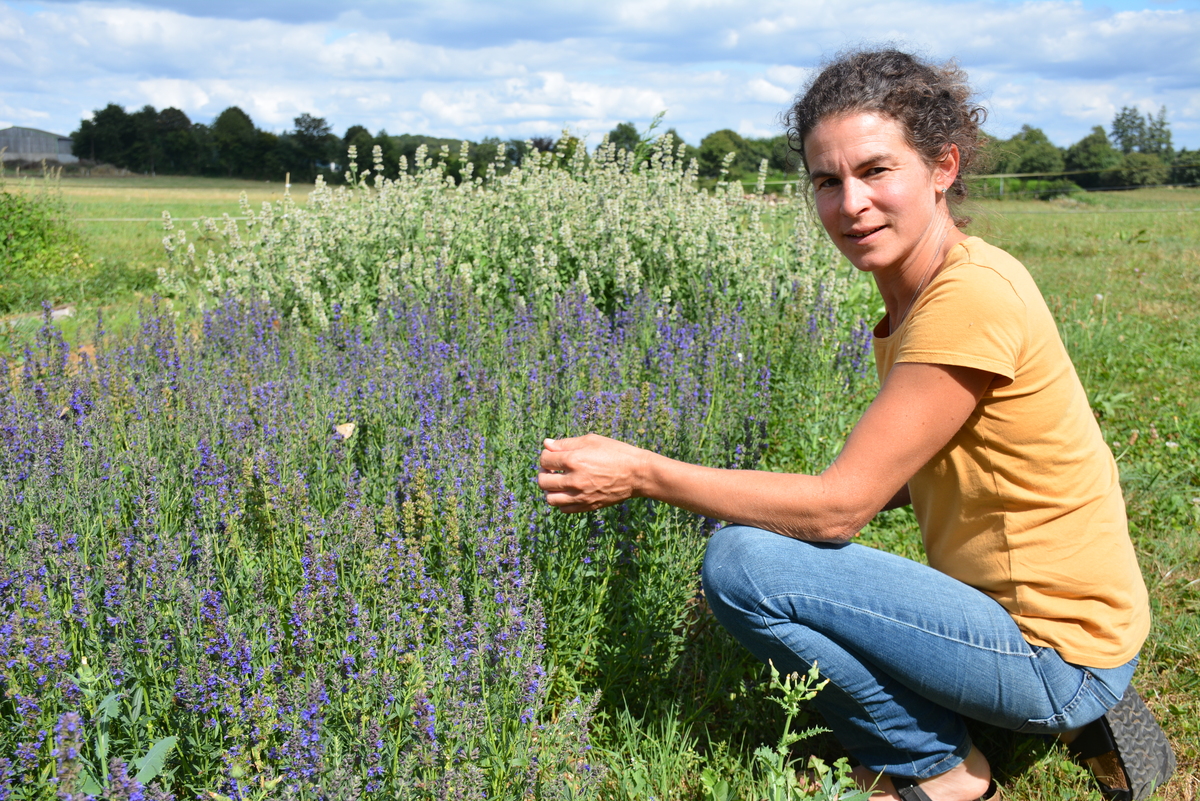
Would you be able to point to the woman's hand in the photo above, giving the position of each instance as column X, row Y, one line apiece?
column 581, row 474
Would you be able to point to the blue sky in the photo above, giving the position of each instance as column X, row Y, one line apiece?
column 467, row 68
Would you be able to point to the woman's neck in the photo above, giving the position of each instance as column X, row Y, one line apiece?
column 901, row 287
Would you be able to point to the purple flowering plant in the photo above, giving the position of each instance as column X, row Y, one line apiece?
column 246, row 557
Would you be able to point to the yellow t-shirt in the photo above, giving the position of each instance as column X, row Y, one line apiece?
column 1024, row 502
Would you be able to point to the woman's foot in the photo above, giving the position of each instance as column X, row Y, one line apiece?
column 1127, row 750
column 967, row 781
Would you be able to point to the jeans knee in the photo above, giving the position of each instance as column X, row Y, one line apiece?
column 724, row 567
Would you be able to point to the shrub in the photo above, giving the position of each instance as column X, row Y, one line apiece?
column 41, row 256
column 1022, row 188
column 1139, row 169
column 1186, row 168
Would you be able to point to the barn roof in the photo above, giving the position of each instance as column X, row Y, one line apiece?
column 31, row 130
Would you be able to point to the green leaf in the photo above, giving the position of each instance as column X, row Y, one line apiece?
column 108, row 708
column 90, row 785
column 152, row 763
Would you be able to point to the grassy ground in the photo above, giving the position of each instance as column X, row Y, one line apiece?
column 1121, row 272
column 105, row 206
column 120, row 221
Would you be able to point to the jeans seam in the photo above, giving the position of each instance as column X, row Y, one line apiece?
column 820, row 599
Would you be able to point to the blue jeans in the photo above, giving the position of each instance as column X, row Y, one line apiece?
column 908, row 651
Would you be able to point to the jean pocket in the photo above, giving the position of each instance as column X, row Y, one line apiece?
column 1085, row 704
column 1109, row 684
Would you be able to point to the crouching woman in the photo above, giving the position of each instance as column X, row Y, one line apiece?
column 1032, row 610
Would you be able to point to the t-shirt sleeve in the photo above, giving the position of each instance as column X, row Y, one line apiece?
column 970, row 316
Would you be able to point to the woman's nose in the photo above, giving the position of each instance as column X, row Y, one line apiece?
column 854, row 198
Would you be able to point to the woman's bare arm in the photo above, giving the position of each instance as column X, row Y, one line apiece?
column 900, row 499
column 918, row 410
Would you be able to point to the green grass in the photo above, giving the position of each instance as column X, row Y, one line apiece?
column 1121, row 271
column 144, row 197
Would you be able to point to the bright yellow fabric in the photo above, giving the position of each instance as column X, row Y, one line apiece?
column 1024, row 502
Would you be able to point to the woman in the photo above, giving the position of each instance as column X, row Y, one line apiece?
column 1033, row 609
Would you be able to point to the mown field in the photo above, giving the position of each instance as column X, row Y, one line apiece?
column 288, row 538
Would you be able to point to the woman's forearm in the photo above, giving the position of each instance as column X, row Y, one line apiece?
column 915, row 415
column 814, row 508
column 900, row 499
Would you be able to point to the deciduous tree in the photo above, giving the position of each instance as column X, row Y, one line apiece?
column 236, row 140
column 625, row 136
column 1027, row 151
column 1141, row 169
column 1093, row 153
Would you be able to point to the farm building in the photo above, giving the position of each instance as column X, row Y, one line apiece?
column 30, row 144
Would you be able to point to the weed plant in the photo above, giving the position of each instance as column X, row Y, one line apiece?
column 45, row 258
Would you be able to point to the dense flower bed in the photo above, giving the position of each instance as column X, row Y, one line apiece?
column 246, row 559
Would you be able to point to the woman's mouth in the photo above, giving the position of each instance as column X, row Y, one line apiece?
column 864, row 234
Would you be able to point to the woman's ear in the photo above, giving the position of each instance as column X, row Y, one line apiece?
column 946, row 170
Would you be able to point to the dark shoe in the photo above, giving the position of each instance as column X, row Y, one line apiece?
column 908, row 789
column 1126, row 750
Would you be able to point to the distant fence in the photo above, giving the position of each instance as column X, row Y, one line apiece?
column 1042, row 185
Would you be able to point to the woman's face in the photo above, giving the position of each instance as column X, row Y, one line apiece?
column 876, row 196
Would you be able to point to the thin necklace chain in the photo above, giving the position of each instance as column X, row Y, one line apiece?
column 921, row 285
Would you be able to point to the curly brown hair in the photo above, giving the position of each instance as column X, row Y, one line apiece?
column 933, row 104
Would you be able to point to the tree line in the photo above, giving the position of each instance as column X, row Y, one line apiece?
column 168, row 142
column 1136, row 151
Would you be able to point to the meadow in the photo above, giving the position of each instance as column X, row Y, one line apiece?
column 261, row 542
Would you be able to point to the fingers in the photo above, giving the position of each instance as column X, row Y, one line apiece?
column 554, row 453
column 556, row 484
column 550, row 481
column 561, row 495
column 567, row 503
column 570, row 443
column 553, row 461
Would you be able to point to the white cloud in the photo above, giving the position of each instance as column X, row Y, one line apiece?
column 753, row 128
column 168, row 92
column 546, row 97
column 788, row 75
column 767, row 92
column 462, row 67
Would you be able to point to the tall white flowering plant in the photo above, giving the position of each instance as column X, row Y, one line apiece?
column 604, row 222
